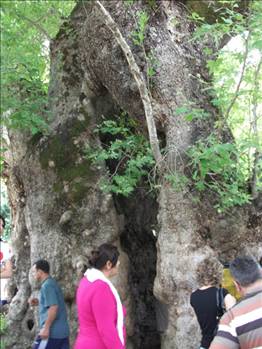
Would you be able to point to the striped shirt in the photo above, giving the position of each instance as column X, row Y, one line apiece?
column 241, row 326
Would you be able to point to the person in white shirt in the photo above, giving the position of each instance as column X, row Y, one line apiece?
column 5, row 262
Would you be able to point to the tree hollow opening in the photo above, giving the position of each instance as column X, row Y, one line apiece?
column 138, row 241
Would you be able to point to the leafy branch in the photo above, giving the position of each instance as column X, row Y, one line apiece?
column 25, row 27
column 215, row 167
column 35, row 24
column 128, row 152
column 240, row 78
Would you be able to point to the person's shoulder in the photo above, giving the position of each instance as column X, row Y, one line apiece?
column 225, row 291
column 235, row 311
column 204, row 291
column 195, row 292
column 97, row 286
column 101, row 285
column 103, row 291
column 227, row 317
column 49, row 282
column 6, row 248
column 194, row 295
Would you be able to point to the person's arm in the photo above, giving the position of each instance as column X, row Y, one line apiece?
column 226, row 337
column 51, row 302
column 105, row 313
column 229, row 301
column 222, row 342
column 6, row 270
column 51, row 316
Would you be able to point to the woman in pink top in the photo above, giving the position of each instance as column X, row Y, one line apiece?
column 100, row 312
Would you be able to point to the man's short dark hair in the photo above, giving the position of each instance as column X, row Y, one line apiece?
column 245, row 270
column 3, row 220
column 43, row 265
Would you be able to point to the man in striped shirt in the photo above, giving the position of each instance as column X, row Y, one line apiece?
column 241, row 326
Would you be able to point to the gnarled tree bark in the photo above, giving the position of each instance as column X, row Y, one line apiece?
column 59, row 212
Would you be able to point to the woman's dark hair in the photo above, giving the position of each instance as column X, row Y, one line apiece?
column 104, row 253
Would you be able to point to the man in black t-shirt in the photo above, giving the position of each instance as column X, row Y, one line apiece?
column 204, row 299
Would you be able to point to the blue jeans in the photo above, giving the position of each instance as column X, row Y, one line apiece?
column 51, row 343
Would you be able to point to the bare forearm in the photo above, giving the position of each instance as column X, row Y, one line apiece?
column 51, row 315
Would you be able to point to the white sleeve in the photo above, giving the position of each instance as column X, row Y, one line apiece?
column 6, row 250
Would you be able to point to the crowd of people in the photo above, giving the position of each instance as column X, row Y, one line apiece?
column 225, row 323
column 241, row 325
column 209, row 301
column 99, row 308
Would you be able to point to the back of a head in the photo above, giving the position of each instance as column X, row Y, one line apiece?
column 209, row 272
column 104, row 253
column 245, row 270
column 43, row 265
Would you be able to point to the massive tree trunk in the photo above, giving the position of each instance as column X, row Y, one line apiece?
column 59, row 212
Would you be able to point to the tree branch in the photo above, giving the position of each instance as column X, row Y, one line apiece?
column 240, row 79
column 35, row 24
column 257, row 154
column 135, row 71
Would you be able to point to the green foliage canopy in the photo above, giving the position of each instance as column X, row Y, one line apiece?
column 27, row 28
column 231, row 171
